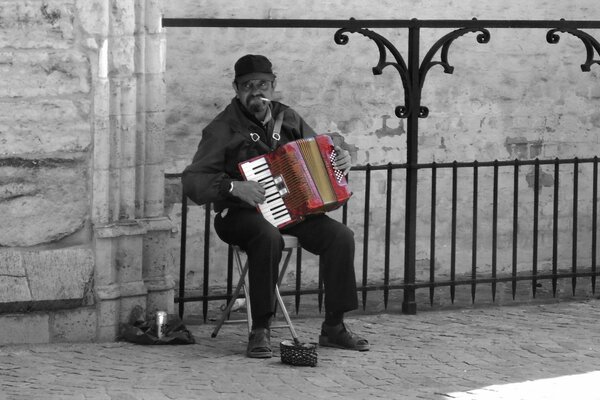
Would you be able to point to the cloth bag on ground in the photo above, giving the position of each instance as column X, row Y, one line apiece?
column 145, row 332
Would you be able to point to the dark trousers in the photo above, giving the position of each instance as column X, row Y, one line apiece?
column 331, row 240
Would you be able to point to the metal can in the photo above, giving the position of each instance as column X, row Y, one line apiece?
column 161, row 323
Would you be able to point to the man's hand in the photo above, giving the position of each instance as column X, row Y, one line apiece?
column 342, row 160
column 251, row 192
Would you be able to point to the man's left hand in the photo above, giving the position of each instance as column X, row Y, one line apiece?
column 342, row 160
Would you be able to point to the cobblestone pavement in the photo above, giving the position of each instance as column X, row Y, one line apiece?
column 423, row 356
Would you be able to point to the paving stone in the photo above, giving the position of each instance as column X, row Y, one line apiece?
column 425, row 356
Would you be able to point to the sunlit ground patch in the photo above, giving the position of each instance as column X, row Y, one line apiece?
column 580, row 387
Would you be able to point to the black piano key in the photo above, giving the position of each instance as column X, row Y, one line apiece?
column 280, row 214
column 260, row 169
column 269, row 198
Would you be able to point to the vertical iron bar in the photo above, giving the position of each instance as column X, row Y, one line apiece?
column 555, row 228
column 183, row 240
column 229, row 291
column 345, row 206
column 515, row 227
column 432, row 232
column 366, row 235
column 536, row 208
column 594, row 221
column 207, row 208
column 495, row 231
column 388, row 212
column 474, row 240
column 575, row 207
column 320, row 295
column 298, row 278
column 409, row 305
column 299, row 257
column 453, row 234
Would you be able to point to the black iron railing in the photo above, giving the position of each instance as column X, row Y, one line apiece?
column 484, row 271
column 413, row 72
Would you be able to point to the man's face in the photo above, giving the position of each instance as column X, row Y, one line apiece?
column 250, row 92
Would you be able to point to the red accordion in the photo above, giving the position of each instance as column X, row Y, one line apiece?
column 299, row 179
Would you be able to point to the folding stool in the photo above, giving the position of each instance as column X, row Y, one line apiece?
column 290, row 243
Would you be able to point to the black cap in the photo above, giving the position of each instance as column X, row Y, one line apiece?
column 252, row 66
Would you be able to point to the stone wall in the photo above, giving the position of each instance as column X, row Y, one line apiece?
column 81, row 167
column 514, row 97
column 44, row 130
column 45, row 145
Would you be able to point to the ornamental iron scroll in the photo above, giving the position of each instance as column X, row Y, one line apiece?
column 383, row 44
column 590, row 43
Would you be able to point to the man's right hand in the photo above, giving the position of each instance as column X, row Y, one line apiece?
column 249, row 191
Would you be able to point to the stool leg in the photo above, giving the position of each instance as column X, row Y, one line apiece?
column 284, row 265
column 236, row 292
column 286, row 261
column 286, row 315
column 248, row 307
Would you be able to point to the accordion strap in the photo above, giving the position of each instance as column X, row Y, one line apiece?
column 277, row 130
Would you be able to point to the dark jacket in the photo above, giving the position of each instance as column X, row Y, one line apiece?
column 226, row 142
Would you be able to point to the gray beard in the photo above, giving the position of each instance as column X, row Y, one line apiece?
column 255, row 108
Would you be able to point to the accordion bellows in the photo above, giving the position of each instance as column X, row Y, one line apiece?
column 299, row 178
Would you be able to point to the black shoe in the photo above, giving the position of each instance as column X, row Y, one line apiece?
column 340, row 337
column 259, row 344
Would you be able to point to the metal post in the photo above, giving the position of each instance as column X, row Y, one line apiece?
column 409, row 305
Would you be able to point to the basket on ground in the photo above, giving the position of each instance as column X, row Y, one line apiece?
column 301, row 354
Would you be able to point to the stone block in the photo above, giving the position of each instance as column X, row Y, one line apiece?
column 154, row 140
column 14, row 289
column 11, row 263
column 78, row 325
column 108, row 319
column 121, row 56
column 52, row 205
column 160, row 300
column 140, row 54
column 127, row 193
column 155, row 92
column 59, row 274
column 48, row 277
column 29, row 127
column 35, row 25
column 129, row 259
column 128, row 136
column 122, row 22
column 26, row 328
column 154, row 13
column 94, row 16
column 153, row 202
column 107, row 333
column 157, row 263
column 45, row 73
column 100, row 212
column 155, row 54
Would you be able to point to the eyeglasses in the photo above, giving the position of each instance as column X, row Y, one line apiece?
column 249, row 86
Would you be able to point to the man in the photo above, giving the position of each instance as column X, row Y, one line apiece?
column 251, row 125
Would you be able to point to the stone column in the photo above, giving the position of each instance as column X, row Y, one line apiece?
column 151, row 76
column 128, row 183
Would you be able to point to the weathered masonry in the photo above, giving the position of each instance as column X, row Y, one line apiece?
column 81, row 168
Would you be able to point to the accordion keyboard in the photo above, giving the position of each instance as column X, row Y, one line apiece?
column 273, row 208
